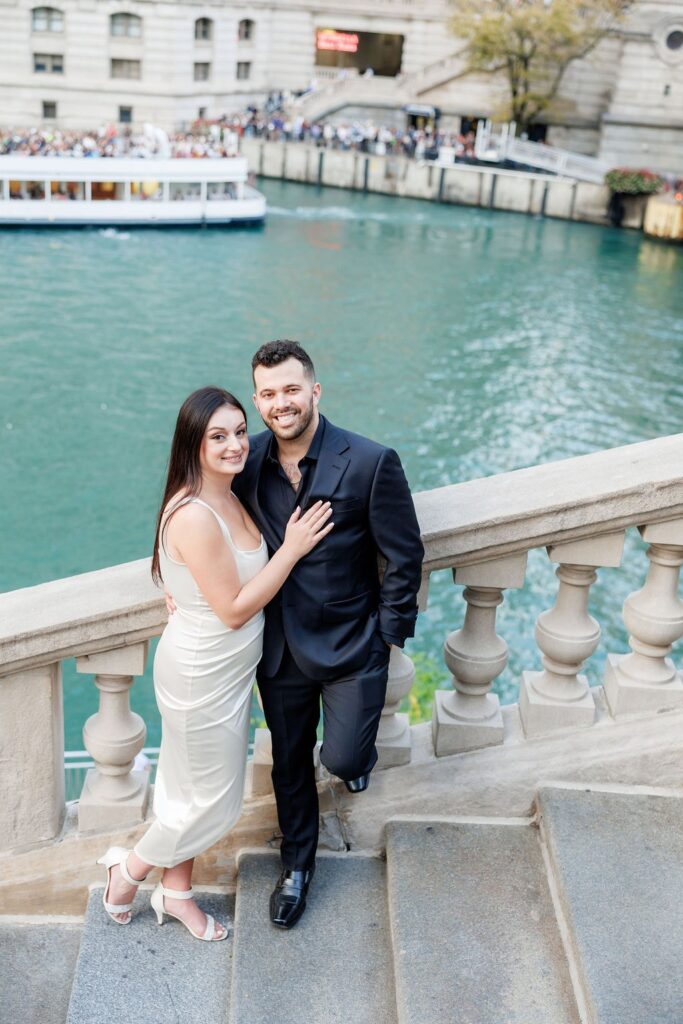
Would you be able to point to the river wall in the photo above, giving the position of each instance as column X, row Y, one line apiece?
column 465, row 185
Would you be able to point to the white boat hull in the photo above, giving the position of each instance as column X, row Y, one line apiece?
column 135, row 213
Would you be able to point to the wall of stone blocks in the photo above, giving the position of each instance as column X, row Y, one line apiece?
column 459, row 184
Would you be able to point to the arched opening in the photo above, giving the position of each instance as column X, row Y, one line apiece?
column 125, row 24
column 203, row 29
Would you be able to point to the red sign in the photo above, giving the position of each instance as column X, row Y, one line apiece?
column 340, row 42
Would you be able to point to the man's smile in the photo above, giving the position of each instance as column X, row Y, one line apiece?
column 285, row 418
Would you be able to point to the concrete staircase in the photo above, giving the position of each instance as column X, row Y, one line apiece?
column 431, row 76
column 354, row 91
column 571, row 916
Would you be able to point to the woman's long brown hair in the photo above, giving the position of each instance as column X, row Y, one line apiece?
column 184, row 472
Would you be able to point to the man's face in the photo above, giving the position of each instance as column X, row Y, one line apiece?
column 286, row 399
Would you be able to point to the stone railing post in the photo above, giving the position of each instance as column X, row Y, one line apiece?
column 558, row 697
column 114, row 794
column 469, row 716
column 31, row 756
column 260, row 781
column 393, row 735
column 646, row 679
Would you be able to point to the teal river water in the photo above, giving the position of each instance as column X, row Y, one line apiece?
column 474, row 342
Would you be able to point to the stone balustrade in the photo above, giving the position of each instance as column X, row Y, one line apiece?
column 578, row 509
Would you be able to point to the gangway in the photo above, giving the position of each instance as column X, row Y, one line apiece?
column 503, row 145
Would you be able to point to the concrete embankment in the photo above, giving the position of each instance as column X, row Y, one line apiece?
column 466, row 185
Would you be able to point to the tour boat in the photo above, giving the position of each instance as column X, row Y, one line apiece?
column 116, row 192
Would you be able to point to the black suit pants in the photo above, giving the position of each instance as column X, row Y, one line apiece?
column 351, row 712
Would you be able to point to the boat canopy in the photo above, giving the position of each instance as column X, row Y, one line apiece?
column 37, row 168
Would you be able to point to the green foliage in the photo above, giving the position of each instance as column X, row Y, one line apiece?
column 532, row 42
column 429, row 676
column 633, row 182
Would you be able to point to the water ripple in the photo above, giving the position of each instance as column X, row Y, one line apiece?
column 472, row 341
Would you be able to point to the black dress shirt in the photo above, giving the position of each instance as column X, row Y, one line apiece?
column 277, row 497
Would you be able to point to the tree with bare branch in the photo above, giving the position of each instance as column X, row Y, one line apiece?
column 531, row 42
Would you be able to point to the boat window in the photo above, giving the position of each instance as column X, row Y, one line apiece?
column 221, row 190
column 103, row 190
column 67, row 190
column 47, row 19
column 246, row 30
column 203, row 29
column 27, row 189
column 49, row 63
column 146, row 190
column 185, row 190
column 124, row 24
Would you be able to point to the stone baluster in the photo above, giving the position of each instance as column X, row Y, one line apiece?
column 469, row 716
column 393, row 735
column 113, row 794
column 259, row 780
column 559, row 697
column 646, row 680
column 31, row 755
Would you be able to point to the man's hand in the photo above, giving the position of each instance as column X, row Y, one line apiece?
column 170, row 603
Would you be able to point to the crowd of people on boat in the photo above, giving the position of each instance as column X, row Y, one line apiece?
column 119, row 141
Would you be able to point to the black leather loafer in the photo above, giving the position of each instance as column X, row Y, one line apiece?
column 288, row 900
column 359, row 784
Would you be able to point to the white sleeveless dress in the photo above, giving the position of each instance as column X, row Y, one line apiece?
column 203, row 680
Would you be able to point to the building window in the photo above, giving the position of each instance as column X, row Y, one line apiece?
column 203, row 29
column 243, row 69
column 201, row 114
column 125, row 68
column 47, row 19
column 48, row 63
column 49, row 110
column 125, row 25
column 674, row 40
column 246, row 30
column 125, row 115
column 202, row 72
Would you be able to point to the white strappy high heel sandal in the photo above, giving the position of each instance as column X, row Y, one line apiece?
column 117, row 855
column 159, row 909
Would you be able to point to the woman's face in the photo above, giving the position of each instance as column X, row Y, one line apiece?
column 225, row 445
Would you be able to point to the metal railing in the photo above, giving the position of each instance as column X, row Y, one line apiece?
column 504, row 145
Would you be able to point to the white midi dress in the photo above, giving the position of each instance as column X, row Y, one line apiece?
column 203, row 680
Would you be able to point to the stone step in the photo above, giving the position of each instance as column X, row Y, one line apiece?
column 473, row 926
column 37, row 963
column 618, row 865
column 138, row 973
column 333, row 967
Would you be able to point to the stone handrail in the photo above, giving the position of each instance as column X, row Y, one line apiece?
column 566, row 500
column 84, row 614
column 461, row 524
column 577, row 508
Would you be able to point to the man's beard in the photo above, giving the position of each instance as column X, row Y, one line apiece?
column 299, row 427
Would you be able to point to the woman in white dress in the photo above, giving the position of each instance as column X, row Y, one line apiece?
column 210, row 555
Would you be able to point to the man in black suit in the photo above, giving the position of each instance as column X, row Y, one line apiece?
column 329, row 631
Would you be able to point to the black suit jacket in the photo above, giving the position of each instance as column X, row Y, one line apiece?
column 333, row 605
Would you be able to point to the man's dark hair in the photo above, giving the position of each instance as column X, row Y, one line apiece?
column 275, row 352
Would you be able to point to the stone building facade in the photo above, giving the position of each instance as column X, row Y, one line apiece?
column 86, row 62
